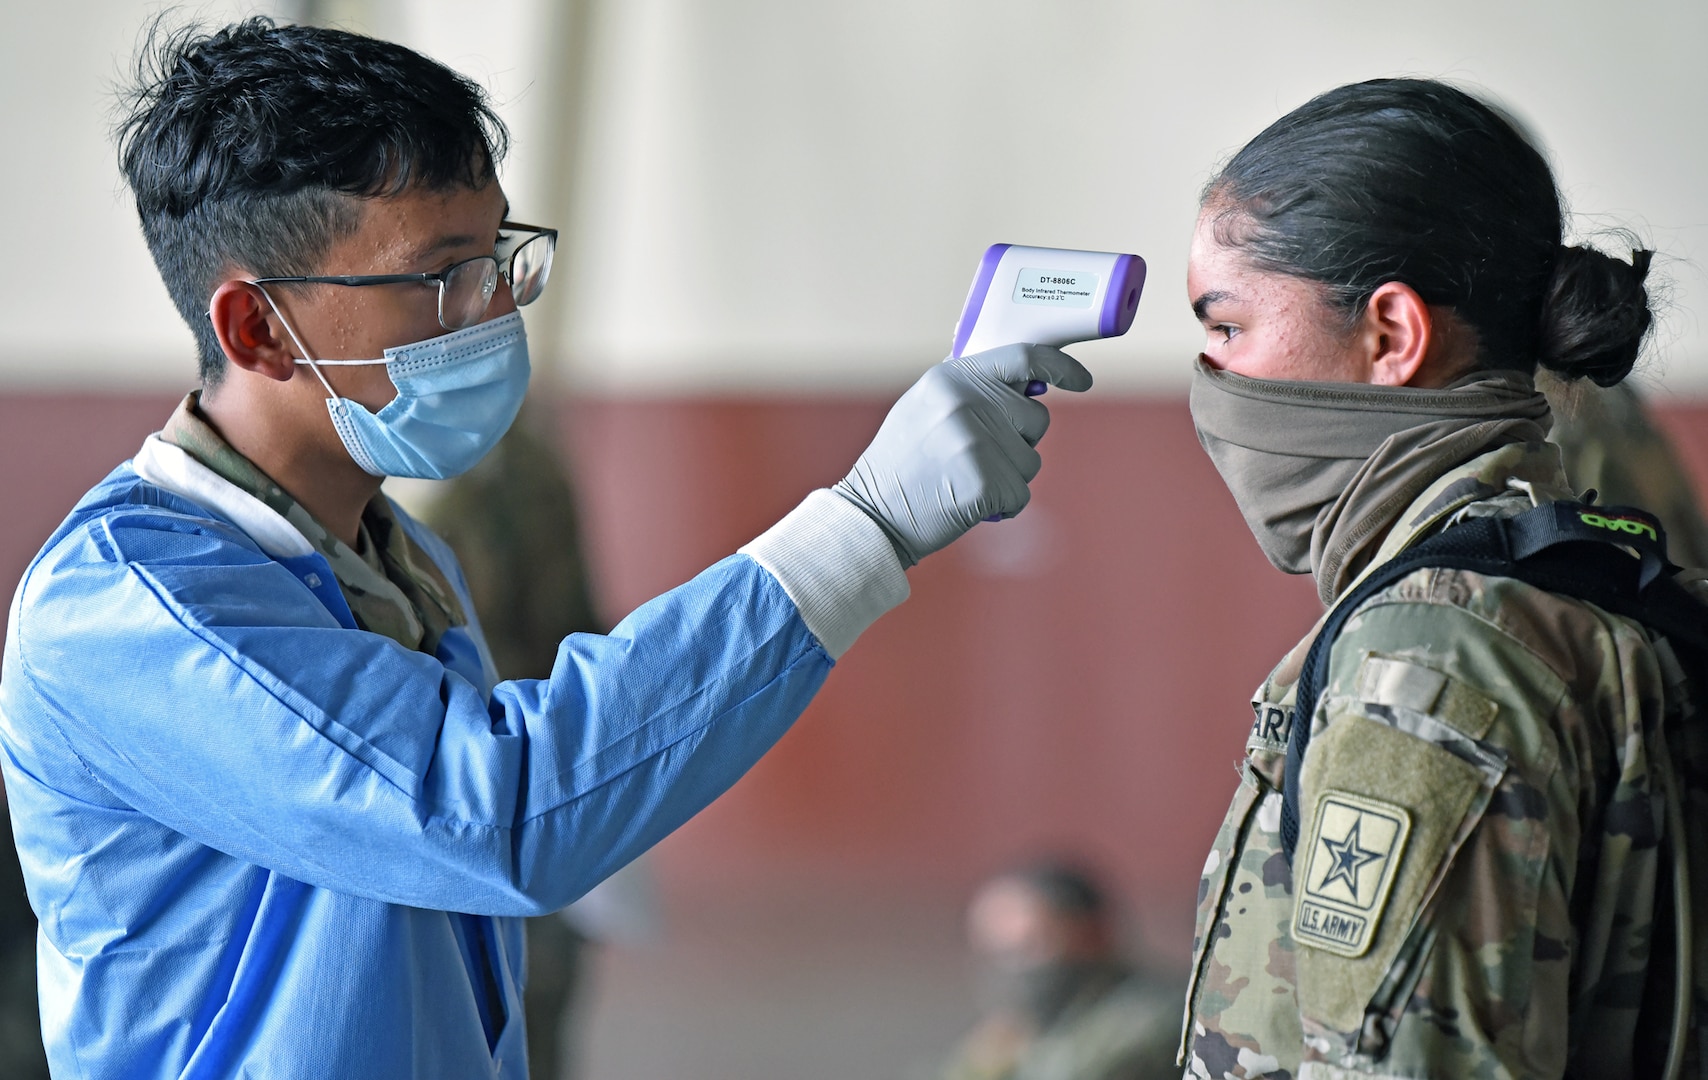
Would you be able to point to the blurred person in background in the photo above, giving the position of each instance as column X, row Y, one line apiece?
column 1459, row 840
column 1060, row 1001
column 277, row 812
column 1612, row 446
column 513, row 523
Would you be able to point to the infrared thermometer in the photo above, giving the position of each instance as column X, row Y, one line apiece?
column 1048, row 296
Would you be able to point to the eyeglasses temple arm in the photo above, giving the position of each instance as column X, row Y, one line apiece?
column 348, row 279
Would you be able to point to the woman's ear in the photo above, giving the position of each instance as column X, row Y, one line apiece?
column 1398, row 329
column 249, row 331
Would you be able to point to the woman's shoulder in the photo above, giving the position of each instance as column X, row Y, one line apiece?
column 1530, row 670
column 1454, row 612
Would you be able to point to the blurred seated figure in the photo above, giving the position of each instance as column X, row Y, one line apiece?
column 1611, row 444
column 1060, row 1002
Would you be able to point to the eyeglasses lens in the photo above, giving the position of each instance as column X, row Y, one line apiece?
column 468, row 290
column 530, row 265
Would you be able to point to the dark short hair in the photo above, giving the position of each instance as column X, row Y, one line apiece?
column 1416, row 181
column 1068, row 889
column 246, row 146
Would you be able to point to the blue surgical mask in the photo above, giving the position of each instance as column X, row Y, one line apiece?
column 457, row 394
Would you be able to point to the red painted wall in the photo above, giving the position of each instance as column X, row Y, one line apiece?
column 1076, row 677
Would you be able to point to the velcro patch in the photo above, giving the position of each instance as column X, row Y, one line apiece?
column 1404, row 683
column 1355, row 852
column 1386, row 680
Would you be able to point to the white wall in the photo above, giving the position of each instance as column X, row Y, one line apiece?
column 787, row 194
column 797, row 193
column 80, row 302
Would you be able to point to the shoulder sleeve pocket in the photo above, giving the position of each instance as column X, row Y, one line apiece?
column 1390, row 793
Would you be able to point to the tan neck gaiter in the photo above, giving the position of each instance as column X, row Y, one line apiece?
column 1321, row 470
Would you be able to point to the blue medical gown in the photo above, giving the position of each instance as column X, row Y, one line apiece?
column 246, row 824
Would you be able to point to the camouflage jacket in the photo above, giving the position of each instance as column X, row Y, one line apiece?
column 1481, row 886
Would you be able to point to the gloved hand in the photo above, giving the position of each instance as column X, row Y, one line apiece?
column 958, row 447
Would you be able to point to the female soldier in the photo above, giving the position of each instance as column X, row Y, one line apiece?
column 1481, row 883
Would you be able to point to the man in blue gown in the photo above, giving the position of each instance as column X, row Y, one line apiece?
column 277, row 815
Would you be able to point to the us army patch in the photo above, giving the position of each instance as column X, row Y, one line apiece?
column 1354, row 853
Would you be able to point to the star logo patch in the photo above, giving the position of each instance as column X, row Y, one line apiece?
column 1353, row 855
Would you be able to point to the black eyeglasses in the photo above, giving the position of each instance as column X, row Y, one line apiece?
column 523, row 255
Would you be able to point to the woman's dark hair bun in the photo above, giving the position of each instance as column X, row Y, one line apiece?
column 1595, row 315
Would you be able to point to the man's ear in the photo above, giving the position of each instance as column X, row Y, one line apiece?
column 1398, row 330
column 250, row 331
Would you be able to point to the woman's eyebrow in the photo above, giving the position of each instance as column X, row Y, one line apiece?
column 1214, row 296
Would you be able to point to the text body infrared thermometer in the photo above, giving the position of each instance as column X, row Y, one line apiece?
column 1048, row 296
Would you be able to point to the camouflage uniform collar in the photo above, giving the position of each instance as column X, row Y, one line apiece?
column 1522, row 474
column 400, row 593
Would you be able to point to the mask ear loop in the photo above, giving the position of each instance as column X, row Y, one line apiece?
column 308, row 359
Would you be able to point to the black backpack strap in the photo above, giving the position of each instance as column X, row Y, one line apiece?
column 1612, row 556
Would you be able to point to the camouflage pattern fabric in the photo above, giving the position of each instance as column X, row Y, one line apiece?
column 1482, row 886
column 1121, row 1028
column 391, row 585
column 1612, row 446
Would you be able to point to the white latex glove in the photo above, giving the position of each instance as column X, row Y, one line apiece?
column 958, row 447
